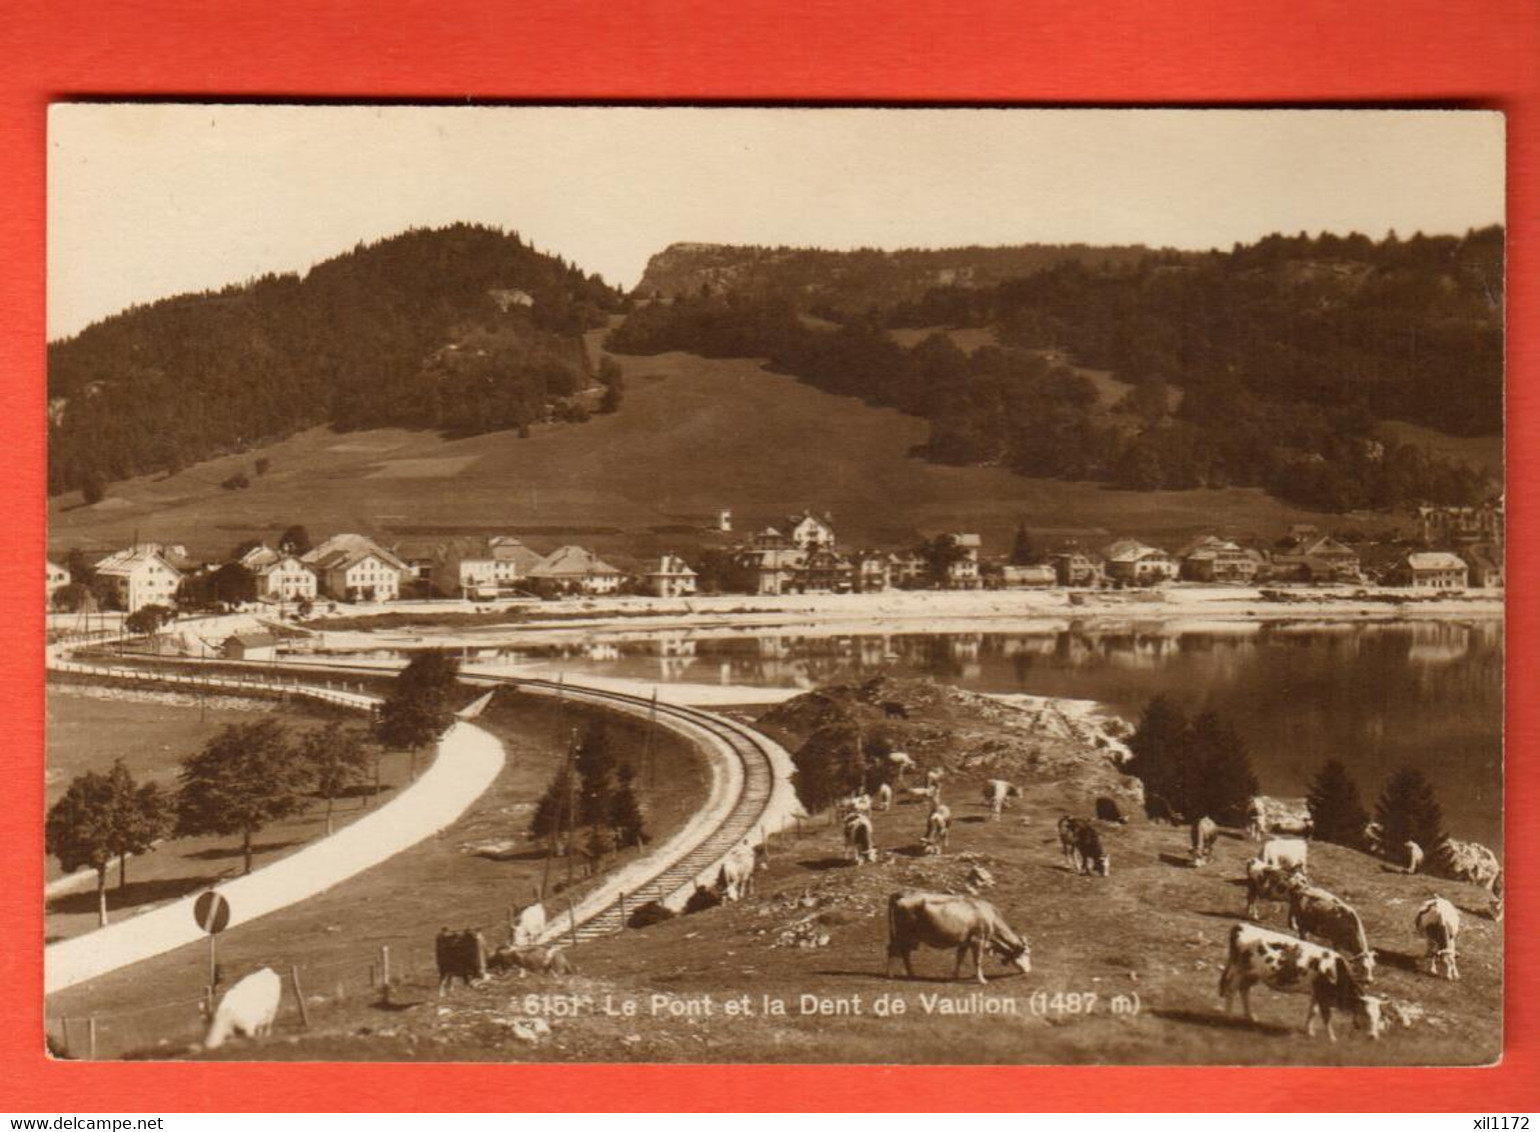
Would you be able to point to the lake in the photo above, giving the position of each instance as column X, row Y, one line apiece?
column 1428, row 694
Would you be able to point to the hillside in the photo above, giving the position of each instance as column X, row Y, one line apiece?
column 839, row 284
column 463, row 329
column 1150, row 937
column 693, row 435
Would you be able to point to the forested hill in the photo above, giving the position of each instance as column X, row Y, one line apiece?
column 1287, row 353
column 427, row 329
column 842, row 284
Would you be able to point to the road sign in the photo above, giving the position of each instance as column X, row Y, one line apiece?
column 212, row 911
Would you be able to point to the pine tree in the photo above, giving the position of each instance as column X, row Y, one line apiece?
column 1216, row 775
column 1407, row 810
column 1158, row 744
column 625, row 815
column 596, row 770
column 552, row 817
column 1335, row 806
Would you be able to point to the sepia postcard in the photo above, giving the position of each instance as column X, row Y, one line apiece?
column 742, row 585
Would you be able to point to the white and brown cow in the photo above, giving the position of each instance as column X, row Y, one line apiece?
column 858, row 838
column 736, row 878
column 1204, row 834
column 1284, row 963
column 1271, row 884
column 998, row 794
column 1438, row 922
column 938, row 828
column 943, row 920
column 1316, row 912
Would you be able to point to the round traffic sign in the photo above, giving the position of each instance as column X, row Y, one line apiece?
column 212, row 911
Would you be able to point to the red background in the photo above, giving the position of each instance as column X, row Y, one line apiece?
column 1057, row 52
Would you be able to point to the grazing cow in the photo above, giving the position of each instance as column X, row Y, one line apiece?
column 1414, row 857
column 540, row 960
column 1289, row 853
column 901, row 763
column 1157, row 809
column 1088, row 846
column 1316, row 912
column 528, row 925
column 892, row 709
column 858, row 838
column 736, row 878
column 1266, row 816
column 1438, row 922
column 1284, row 963
column 1068, row 827
column 998, row 794
column 1496, row 892
column 460, row 955
column 248, row 1007
column 1269, row 883
column 1107, row 810
column 884, row 800
column 946, row 921
column 1204, row 833
column 1292, row 827
column 930, row 794
column 938, row 828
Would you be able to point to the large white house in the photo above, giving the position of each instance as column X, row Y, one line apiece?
column 1133, row 563
column 279, row 576
column 810, row 532
column 668, row 576
column 572, row 569
column 482, row 569
column 356, row 568
column 140, row 576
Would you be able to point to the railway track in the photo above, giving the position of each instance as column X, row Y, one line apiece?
column 678, row 864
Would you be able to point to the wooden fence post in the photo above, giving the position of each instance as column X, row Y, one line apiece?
column 572, row 921
column 385, row 972
column 91, row 1037
column 66, row 1022
column 622, row 909
column 299, row 997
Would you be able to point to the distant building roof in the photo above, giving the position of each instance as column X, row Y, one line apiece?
column 123, row 562
column 571, row 562
column 670, row 565
column 1435, row 560
column 342, row 551
column 1129, row 550
column 252, row 640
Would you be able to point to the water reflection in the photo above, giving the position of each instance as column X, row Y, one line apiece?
column 1377, row 696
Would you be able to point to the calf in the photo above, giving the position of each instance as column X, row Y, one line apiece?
column 460, row 955
column 1067, row 831
column 248, row 1007
column 998, row 794
column 938, row 828
column 1284, row 963
column 966, row 923
column 1269, row 883
column 858, row 838
column 1314, row 911
column 1204, row 833
column 736, row 878
column 884, row 798
column 540, row 960
column 1438, row 922
column 1107, row 810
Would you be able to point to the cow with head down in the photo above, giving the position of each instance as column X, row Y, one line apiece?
column 1438, row 922
column 998, row 794
column 938, row 829
column 1280, row 961
column 1204, row 833
column 1316, row 912
column 944, row 920
column 735, row 880
column 859, row 839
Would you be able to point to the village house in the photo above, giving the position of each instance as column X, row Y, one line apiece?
column 277, row 576
column 1307, row 555
column 822, row 571
column 871, row 571
column 481, row 569
column 1485, row 565
column 1016, row 577
column 574, row 570
column 962, row 573
column 1430, row 570
column 1076, row 568
column 668, row 576
column 810, row 532
column 57, row 578
column 906, row 569
column 250, row 646
column 1133, row 563
column 355, row 568
column 1214, row 559
column 139, row 576
column 763, row 570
